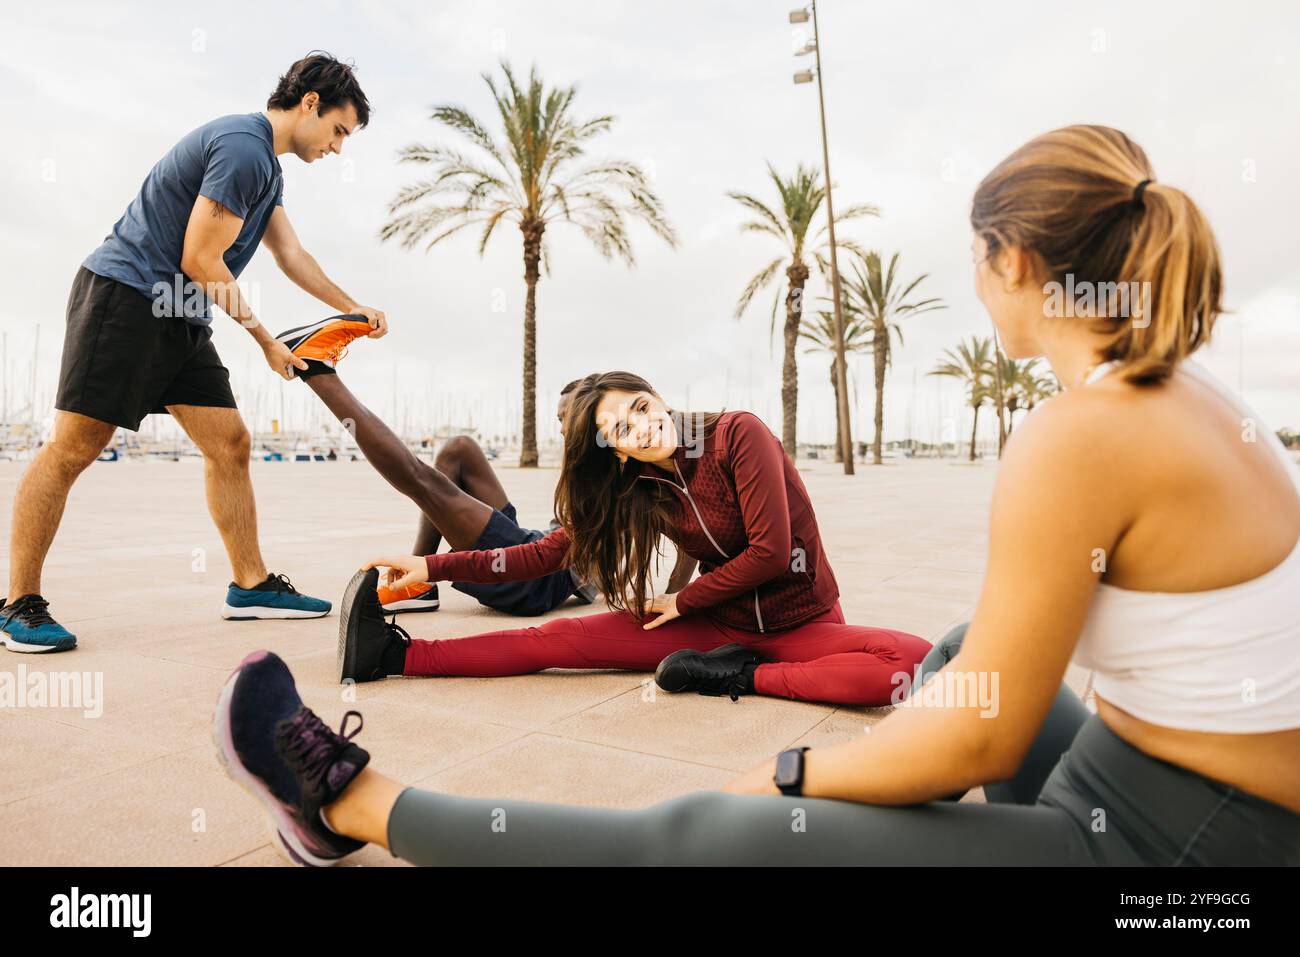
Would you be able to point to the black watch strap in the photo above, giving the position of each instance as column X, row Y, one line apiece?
column 789, row 772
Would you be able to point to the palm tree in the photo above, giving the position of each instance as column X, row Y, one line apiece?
column 532, row 177
column 971, row 364
column 1025, row 387
column 857, row 338
column 801, row 199
column 872, row 294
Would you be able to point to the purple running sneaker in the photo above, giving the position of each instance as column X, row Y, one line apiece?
column 280, row 752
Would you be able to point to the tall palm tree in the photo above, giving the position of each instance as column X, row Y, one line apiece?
column 534, row 176
column 821, row 333
column 873, row 294
column 801, row 195
column 972, row 364
column 1025, row 387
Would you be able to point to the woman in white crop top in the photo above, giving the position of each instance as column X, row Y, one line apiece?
column 1144, row 523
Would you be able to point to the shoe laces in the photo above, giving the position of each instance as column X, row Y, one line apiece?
column 396, row 632
column 731, row 685
column 282, row 583
column 31, row 609
column 313, row 745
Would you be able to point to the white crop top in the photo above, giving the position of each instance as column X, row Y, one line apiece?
column 1225, row 660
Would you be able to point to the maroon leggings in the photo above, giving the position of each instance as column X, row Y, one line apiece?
column 820, row 660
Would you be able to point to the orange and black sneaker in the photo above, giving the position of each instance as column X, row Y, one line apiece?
column 325, row 342
column 422, row 596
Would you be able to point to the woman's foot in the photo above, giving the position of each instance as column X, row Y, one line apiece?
column 369, row 648
column 727, row 670
column 281, row 753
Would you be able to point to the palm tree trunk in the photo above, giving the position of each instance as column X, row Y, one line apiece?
column 997, row 368
column 881, row 354
column 797, row 275
column 973, row 426
column 835, row 391
column 532, row 259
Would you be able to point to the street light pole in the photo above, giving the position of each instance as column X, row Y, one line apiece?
column 845, row 438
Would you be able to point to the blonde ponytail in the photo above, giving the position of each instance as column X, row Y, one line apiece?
column 1085, row 201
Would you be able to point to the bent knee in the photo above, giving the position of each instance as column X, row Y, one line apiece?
column 72, row 456
column 232, row 449
column 456, row 449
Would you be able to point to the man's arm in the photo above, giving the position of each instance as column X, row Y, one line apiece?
column 301, row 266
column 212, row 229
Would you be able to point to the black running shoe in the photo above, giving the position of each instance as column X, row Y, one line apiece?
column 281, row 753
column 727, row 670
column 369, row 647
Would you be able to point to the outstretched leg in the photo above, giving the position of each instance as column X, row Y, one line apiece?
column 705, row 828
column 221, row 436
column 43, row 492
column 608, row 640
column 459, row 516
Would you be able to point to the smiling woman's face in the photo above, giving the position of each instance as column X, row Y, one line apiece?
column 636, row 425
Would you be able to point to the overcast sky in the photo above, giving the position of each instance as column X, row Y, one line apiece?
column 923, row 98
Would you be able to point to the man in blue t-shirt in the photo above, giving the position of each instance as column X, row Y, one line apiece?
column 138, row 339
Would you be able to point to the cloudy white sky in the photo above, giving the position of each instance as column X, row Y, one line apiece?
column 922, row 99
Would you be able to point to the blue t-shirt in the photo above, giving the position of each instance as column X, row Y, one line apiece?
column 231, row 160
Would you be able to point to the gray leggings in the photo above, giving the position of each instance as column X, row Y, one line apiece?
column 1081, row 796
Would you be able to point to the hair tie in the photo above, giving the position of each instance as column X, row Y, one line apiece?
column 1137, row 194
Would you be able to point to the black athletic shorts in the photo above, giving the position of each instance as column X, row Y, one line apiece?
column 121, row 362
column 536, row 596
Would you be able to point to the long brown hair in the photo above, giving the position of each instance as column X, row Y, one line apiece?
column 614, row 522
column 1071, row 197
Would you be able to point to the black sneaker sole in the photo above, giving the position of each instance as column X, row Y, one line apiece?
column 675, row 683
column 363, row 582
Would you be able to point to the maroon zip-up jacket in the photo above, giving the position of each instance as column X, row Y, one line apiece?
column 741, row 511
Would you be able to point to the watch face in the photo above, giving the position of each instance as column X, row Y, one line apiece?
column 788, row 766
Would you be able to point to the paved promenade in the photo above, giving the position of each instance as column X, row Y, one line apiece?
column 138, row 573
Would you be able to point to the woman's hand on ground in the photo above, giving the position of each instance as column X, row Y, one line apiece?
column 666, row 606
column 757, row 781
column 403, row 571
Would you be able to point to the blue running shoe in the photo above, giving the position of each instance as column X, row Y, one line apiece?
column 273, row 598
column 280, row 752
column 26, row 626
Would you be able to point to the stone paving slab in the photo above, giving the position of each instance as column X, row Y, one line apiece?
column 139, row 572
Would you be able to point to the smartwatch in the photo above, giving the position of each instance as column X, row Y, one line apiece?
column 789, row 772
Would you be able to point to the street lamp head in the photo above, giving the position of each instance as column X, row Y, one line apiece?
column 804, row 76
column 809, row 47
column 799, row 16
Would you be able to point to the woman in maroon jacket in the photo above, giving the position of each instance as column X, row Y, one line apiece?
column 763, row 617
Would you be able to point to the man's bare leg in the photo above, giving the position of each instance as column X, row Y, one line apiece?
column 459, row 516
column 225, row 443
column 463, row 462
column 43, row 493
